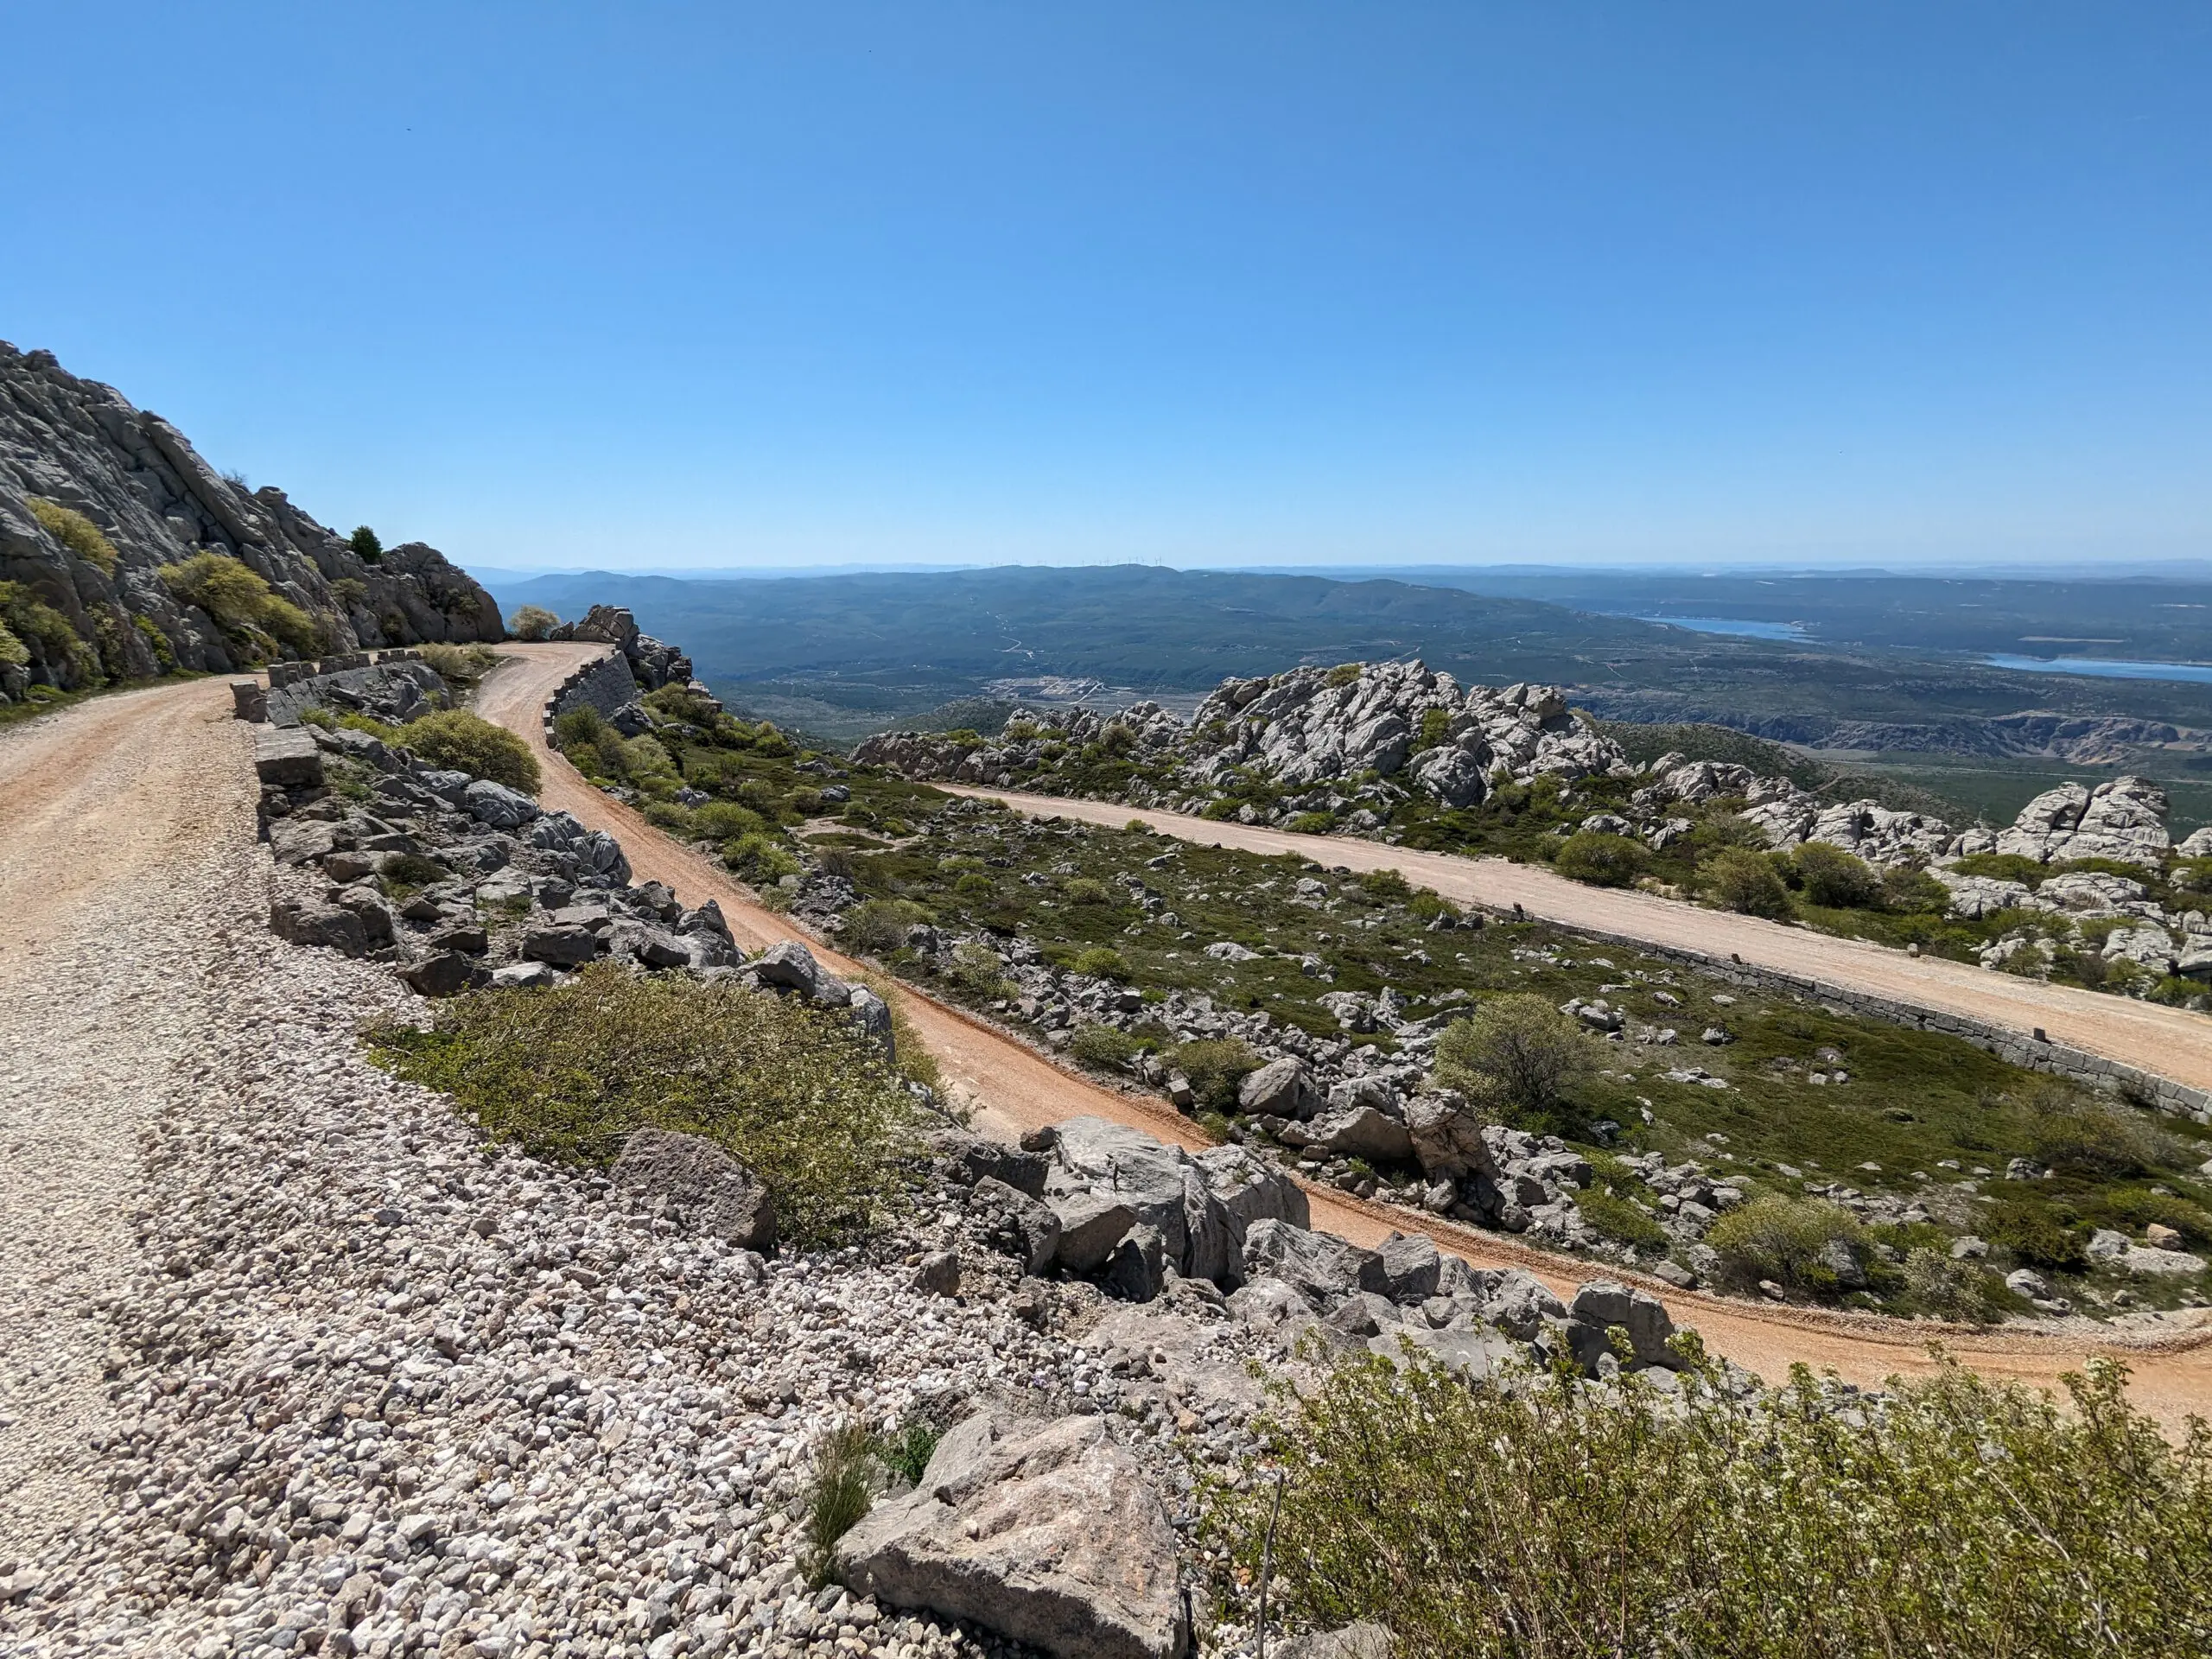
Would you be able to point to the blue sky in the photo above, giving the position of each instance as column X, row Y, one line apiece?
column 659, row 285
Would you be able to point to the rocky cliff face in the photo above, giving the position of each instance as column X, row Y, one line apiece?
column 80, row 445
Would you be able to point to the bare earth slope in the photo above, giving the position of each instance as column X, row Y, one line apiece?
column 1018, row 1089
column 126, row 834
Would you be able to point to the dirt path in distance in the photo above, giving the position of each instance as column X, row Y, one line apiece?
column 1020, row 1089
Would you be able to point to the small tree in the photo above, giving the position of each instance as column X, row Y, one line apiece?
column 1747, row 882
column 532, row 622
column 1517, row 1052
column 1602, row 860
column 365, row 546
column 1834, row 878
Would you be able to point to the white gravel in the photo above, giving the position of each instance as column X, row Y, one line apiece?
column 378, row 1389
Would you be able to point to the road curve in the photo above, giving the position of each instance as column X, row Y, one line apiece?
column 1018, row 1089
column 2168, row 1042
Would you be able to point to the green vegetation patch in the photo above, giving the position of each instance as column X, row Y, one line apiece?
column 800, row 1096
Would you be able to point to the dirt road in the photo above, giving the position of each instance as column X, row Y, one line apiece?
column 2170, row 1042
column 126, row 844
column 1020, row 1089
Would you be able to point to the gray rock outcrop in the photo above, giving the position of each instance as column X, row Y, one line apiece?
column 83, row 446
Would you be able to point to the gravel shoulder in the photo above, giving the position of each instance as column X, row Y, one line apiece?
column 1018, row 1089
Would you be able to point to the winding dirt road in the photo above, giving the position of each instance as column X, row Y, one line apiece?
column 1020, row 1089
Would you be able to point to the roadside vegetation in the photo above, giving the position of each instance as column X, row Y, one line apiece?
column 798, row 1096
column 1553, row 1517
column 456, row 739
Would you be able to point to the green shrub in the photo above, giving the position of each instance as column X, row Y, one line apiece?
column 799, row 1095
column 1516, row 1052
column 1082, row 890
column 29, row 619
column 1101, row 961
column 1310, row 823
column 532, row 622
column 1795, row 1242
column 720, row 821
column 462, row 741
column 458, row 664
column 1834, row 879
column 1215, row 1066
column 878, row 926
column 975, row 885
column 1953, row 1289
column 1743, row 881
column 366, row 545
column 2037, row 1237
column 2079, row 1134
column 1913, row 892
column 648, row 767
column 1106, row 1047
column 906, row 1451
column 760, row 860
column 977, row 969
column 1435, row 727
column 1386, row 887
column 1342, row 674
column 1550, row 1521
column 1617, row 1219
column 252, row 616
column 404, row 873
column 14, row 653
column 76, row 532
column 1602, row 860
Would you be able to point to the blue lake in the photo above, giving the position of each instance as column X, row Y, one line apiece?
column 1731, row 624
column 2104, row 667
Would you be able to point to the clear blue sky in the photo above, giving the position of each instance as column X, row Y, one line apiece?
column 656, row 284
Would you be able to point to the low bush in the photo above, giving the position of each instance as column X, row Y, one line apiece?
column 760, row 860
column 1546, row 1522
column 1808, row 1244
column 1614, row 1217
column 1106, row 1048
column 2074, row 1133
column 1214, row 1065
column 26, row 621
column 462, row 741
column 252, row 616
column 1951, row 1289
column 2037, row 1236
column 1101, row 962
column 721, row 821
column 799, row 1095
column 978, row 970
column 532, row 622
column 1082, row 890
column 76, row 532
column 1517, row 1054
column 1602, row 860
column 878, row 926
column 906, row 1451
column 1743, row 881
column 1385, row 885
column 458, row 664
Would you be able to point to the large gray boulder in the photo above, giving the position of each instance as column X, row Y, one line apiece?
column 788, row 965
column 1362, row 1132
column 498, row 805
column 1320, row 1267
column 1019, row 1224
column 1279, row 1089
column 1447, row 1138
column 1048, row 1535
column 700, row 1184
column 1091, row 1225
column 1362, row 1641
column 1162, row 1186
column 1603, row 1304
column 1252, row 1188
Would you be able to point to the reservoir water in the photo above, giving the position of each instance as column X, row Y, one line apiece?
column 1731, row 624
column 2104, row 667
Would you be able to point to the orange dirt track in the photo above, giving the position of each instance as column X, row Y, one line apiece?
column 1017, row 1088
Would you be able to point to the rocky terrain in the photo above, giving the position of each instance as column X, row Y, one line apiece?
column 373, row 1386
column 144, row 501
column 1349, row 749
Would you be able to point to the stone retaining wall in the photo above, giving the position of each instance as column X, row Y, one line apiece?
column 2030, row 1050
column 604, row 684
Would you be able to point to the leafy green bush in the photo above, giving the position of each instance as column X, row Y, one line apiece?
column 1806, row 1244
column 760, row 860
column 978, row 969
column 878, row 926
column 906, row 1451
column 1101, row 961
column 1602, row 860
column 1386, row 887
column 251, row 615
column 1913, row 892
column 1547, row 1522
column 1834, row 879
column 2074, row 1133
column 1516, row 1052
column 1106, row 1048
column 975, row 884
column 720, row 821
column 157, row 642
column 1082, row 890
column 366, row 546
column 799, row 1095
column 1342, row 674
column 462, row 741
column 407, row 872
column 1310, row 823
column 1617, row 1219
column 1215, row 1066
column 74, row 531
column 1743, row 881
column 458, row 664
column 2037, row 1236
column 24, row 617
column 532, row 622
column 1953, row 1289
